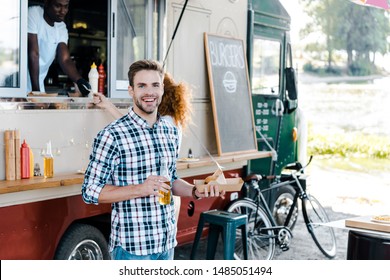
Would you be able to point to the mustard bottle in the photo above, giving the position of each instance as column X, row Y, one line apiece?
column 93, row 77
column 31, row 163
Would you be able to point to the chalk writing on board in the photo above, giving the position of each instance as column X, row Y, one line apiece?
column 226, row 55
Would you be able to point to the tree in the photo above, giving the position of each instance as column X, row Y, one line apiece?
column 325, row 17
column 360, row 31
column 363, row 34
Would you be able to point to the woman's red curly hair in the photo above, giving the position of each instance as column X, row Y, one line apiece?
column 176, row 101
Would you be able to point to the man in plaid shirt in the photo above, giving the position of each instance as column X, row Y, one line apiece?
column 124, row 171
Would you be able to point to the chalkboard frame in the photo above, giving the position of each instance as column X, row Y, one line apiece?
column 231, row 133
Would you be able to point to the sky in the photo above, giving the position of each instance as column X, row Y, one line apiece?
column 8, row 17
column 298, row 18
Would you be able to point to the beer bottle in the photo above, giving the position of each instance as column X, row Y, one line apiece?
column 166, row 199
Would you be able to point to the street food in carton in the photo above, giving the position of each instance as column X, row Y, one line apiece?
column 385, row 219
column 218, row 178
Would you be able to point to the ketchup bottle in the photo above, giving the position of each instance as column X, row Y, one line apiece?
column 102, row 79
column 25, row 160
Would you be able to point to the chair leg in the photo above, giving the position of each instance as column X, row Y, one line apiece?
column 212, row 241
column 198, row 235
column 244, row 240
column 230, row 235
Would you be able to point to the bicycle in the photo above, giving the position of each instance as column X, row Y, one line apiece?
column 264, row 232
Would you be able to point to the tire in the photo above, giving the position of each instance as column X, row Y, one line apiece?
column 261, row 245
column 323, row 236
column 282, row 205
column 82, row 242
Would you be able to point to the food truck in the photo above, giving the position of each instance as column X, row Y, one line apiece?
column 223, row 49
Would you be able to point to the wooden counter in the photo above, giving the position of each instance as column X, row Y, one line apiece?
column 62, row 180
column 231, row 158
column 367, row 223
column 40, row 183
column 343, row 224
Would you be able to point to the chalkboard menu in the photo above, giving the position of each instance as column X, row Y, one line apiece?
column 230, row 94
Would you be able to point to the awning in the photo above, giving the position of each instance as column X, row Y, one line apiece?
column 373, row 3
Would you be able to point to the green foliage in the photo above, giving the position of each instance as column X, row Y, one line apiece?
column 309, row 67
column 361, row 68
column 367, row 165
column 321, row 71
column 349, row 145
column 360, row 31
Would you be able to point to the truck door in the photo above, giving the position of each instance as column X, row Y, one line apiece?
column 269, row 61
column 266, row 97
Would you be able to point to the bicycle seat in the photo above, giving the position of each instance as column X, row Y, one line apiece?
column 252, row 177
column 294, row 166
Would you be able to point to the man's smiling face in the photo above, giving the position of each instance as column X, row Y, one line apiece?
column 147, row 92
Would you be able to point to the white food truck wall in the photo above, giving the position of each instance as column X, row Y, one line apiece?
column 187, row 61
column 71, row 133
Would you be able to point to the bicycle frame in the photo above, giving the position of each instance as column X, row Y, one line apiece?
column 261, row 200
column 293, row 180
column 263, row 223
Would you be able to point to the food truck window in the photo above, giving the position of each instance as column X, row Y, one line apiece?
column 114, row 33
column 136, row 34
column 266, row 65
column 87, row 24
column 12, row 59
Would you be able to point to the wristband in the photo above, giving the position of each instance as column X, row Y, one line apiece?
column 194, row 194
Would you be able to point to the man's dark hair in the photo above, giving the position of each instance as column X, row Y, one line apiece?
column 145, row 64
column 47, row 3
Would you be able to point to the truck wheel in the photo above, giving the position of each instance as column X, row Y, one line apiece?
column 82, row 242
column 282, row 205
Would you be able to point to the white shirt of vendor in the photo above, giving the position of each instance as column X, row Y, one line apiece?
column 48, row 39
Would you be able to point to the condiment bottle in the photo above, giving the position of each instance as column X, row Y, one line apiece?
column 9, row 155
column 17, row 154
column 25, row 160
column 102, row 79
column 166, row 199
column 48, row 162
column 37, row 170
column 93, row 77
column 31, row 163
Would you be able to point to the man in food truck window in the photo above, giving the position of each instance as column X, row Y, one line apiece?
column 47, row 40
column 124, row 170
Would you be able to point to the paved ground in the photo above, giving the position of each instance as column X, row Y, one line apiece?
column 343, row 194
column 301, row 248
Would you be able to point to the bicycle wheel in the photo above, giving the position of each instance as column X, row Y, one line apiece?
column 282, row 206
column 261, row 243
column 323, row 236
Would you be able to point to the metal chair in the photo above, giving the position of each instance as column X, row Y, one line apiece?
column 221, row 222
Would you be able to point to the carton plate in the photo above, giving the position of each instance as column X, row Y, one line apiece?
column 232, row 185
column 367, row 223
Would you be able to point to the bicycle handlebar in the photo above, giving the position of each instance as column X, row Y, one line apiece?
column 297, row 166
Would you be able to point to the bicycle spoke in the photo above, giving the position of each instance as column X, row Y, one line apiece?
column 315, row 215
column 260, row 245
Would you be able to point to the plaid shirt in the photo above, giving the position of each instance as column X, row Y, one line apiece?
column 125, row 153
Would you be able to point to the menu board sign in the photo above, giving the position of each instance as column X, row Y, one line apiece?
column 230, row 94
